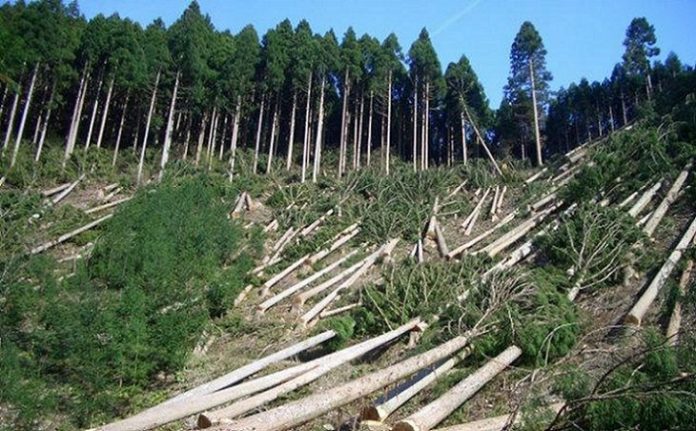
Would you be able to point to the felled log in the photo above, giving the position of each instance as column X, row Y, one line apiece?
column 628, row 200
column 69, row 235
column 671, row 196
column 107, row 206
column 110, row 187
column 432, row 414
column 420, row 258
column 514, row 235
column 644, row 200
column 309, row 229
column 54, row 190
column 494, row 205
column 496, row 423
column 474, row 212
column 111, row 195
column 675, row 318
column 239, row 205
column 441, row 242
column 644, row 219
column 535, row 176
column 335, row 246
column 339, row 310
column 273, row 225
column 243, row 294
column 635, row 316
column 329, row 363
column 456, row 190
column 67, row 190
column 500, row 200
column 266, row 288
column 276, row 256
column 462, row 248
column 297, row 412
column 261, row 308
column 371, row 260
column 300, row 299
column 380, row 411
column 550, row 197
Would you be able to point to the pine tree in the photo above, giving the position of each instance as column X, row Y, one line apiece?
column 640, row 46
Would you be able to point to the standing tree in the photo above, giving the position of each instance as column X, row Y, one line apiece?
column 350, row 57
column 528, row 75
column 640, row 46
column 326, row 62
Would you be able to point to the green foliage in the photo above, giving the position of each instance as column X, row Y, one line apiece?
column 344, row 326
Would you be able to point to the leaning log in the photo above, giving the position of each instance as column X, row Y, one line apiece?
column 335, row 246
column 432, row 414
column 535, row 176
column 462, row 248
column 67, row 190
column 520, row 231
column 441, row 241
column 209, row 419
column 309, row 229
column 675, row 318
column 266, row 288
column 644, row 200
column 261, row 308
column 474, row 212
column 107, row 206
column 69, row 235
column 54, row 190
column 300, row 299
column 635, row 316
column 297, row 412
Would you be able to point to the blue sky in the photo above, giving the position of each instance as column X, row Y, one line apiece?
column 583, row 38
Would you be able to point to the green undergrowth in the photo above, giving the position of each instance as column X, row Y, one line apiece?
column 83, row 347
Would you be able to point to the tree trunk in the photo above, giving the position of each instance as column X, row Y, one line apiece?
column 670, row 197
column 120, row 129
column 259, row 127
column 432, row 414
column 201, row 138
column 611, row 117
column 147, row 128
column 295, row 413
column 39, row 118
column 389, row 105
column 187, row 138
column 77, row 112
column 168, row 131
column 235, row 134
column 672, row 332
column 344, row 127
column 635, row 316
column 42, row 138
column 426, row 128
column 93, row 117
column 644, row 200
column 360, row 131
column 10, row 123
column 271, row 143
column 320, row 126
column 2, row 102
column 537, row 135
column 482, row 142
column 222, row 138
column 415, row 127
column 463, row 124
column 623, row 109
column 105, row 114
column 369, row 131
column 291, row 139
column 212, row 137
column 23, row 121
column 305, row 139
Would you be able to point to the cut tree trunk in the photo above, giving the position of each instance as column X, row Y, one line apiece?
column 644, row 200
column 432, row 414
column 344, row 125
column 261, row 308
column 368, row 149
column 105, row 114
column 107, row 206
column 93, row 117
column 259, row 127
column 321, row 254
column 305, row 137
column 675, row 319
column 69, row 235
column 271, row 144
column 535, row 176
column 474, row 213
column 671, row 196
column 328, row 364
column 482, row 142
column 266, row 288
column 464, row 247
column 25, row 113
column 75, row 120
column 381, row 410
column 46, row 121
column 518, row 232
column 635, row 316
column 320, row 126
column 120, row 130
column 54, row 190
column 170, row 126
column 389, row 105
column 147, row 129
column 496, row 423
column 67, row 190
column 295, row 413
column 535, row 109
column 10, row 123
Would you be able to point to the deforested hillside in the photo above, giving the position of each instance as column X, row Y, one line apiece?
column 208, row 230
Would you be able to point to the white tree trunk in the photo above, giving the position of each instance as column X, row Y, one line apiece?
column 23, row 121
column 93, row 117
column 426, row 127
column 671, row 196
column 147, row 129
column 235, row 135
column 343, row 139
column 44, row 128
column 201, row 138
column 10, row 123
column 69, row 235
column 169, row 129
column 320, row 126
column 77, row 113
column 360, row 132
column 672, row 333
column 415, row 127
column 291, row 139
column 271, row 144
column 389, row 105
column 537, row 135
column 369, row 131
column 463, row 125
column 259, row 127
column 120, row 129
column 306, row 140
column 105, row 114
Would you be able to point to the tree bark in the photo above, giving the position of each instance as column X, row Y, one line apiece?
column 426, row 128
column 212, row 137
column 169, row 129
column 221, row 151
column 369, row 130
column 320, row 126
column 23, row 121
column 537, row 135
column 259, row 127
column 611, row 117
column 271, row 144
column 432, row 414
column 44, row 128
column 201, row 138
column 120, row 129
column 105, row 114
column 291, row 139
column 482, row 142
column 389, row 105
column 295, row 413
column 77, row 112
column 675, row 318
column 415, row 126
column 2, row 102
column 358, row 148
column 344, row 127
column 93, row 117
column 235, row 135
column 10, row 123
column 147, row 128
column 635, row 316
column 671, row 196
column 305, row 140
column 463, row 125
column 623, row 109
column 497, row 423
column 67, row 236
column 644, row 200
